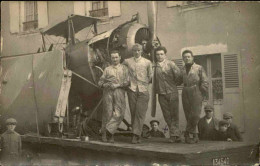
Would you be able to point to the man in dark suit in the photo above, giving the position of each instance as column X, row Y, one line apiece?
column 232, row 130
column 208, row 125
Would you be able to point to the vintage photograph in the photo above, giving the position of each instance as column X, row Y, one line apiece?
column 129, row 83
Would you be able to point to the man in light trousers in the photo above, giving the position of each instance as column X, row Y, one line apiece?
column 114, row 80
column 140, row 74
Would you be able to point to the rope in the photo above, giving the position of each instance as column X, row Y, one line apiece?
column 85, row 80
column 88, row 118
column 36, row 104
column 99, row 68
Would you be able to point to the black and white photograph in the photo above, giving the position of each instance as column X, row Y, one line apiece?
column 130, row 83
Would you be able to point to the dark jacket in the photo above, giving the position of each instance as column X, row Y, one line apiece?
column 207, row 131
column 196, row 76
column 220, row 136
column 167, row 77
column 10, row 145
column 234, row 133
column 157, row 133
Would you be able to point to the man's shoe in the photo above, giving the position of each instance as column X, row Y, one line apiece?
column 187, row 137
column 192, row 141
column 134, row 139
column 111, row 139
column 177, row 139
column 139, row 139
column 172, row 139
column 196, row 138
column 104, row 137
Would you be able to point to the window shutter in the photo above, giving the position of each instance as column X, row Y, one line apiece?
column 42, row 14
column 14, row 16
column 232, row 83
column 173, row 3
column 79, row 8
column 87, row 7
column 231, row 71
column 114, row 8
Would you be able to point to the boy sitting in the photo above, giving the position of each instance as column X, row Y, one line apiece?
column 155, row 132
column 221, row 134
column 232, row 129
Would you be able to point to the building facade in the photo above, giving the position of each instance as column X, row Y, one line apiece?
column 224, row 37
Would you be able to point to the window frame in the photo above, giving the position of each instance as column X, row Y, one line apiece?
column 210, row 77
column 101, row 7
column 30, row 24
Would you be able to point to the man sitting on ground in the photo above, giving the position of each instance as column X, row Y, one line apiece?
column 208, row 125
column 232, row 129
column 155, row 132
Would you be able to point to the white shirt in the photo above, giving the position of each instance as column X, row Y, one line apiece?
column 208, row 120
column 140, row 73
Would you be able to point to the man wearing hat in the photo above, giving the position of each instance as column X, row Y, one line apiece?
column 232, row 129
column 208, row 125
column 10, row 144
column 155, row 132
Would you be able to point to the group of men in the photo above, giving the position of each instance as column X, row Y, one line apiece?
column 210, row 128
column 133, row 77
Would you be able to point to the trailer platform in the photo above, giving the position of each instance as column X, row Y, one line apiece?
column 150, row 151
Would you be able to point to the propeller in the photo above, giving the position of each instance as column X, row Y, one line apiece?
column 152, row 23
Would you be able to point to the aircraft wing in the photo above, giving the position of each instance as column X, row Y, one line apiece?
column 101, row 36
column 31, row 83
column 79, row 22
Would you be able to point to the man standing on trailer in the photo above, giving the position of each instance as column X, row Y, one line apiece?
column 195, row 87
column 114, row 80
column 140, row 74
column 167, row 79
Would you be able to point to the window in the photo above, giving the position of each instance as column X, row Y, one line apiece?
column 28, row 17
column 99, row 9
column 31, row 15
column 212, row 66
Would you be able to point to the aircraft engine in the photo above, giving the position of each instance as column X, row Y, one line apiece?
column 124, row 37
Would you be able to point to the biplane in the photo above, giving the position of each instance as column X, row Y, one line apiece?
column 42, row 89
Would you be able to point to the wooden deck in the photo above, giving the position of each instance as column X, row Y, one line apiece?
column 154, row 149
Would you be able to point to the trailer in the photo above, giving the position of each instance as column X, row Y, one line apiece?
column 151, row 151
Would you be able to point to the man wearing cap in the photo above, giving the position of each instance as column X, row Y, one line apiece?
column 167, row 78
column 232, row 130
column 155, row 132
column 140, row 74
column 195, row 83
column 221, row 134
column 208, row 125
column 11, row 144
